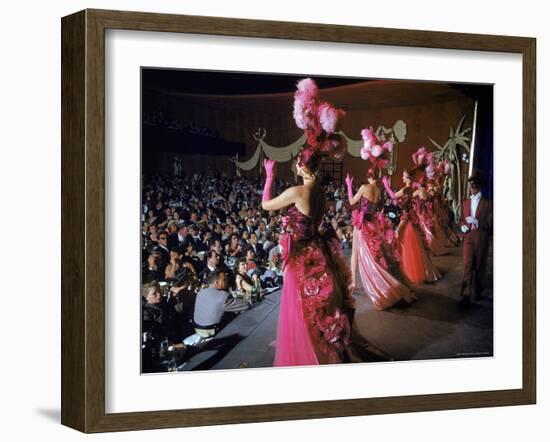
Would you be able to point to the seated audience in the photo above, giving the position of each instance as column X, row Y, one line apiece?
column 198, row 225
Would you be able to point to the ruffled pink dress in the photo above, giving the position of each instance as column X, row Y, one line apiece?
column 375, row 256
column 316, row 312
column 416, row 263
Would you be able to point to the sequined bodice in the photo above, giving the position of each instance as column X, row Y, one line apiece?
column 301, row 226
column 368, row 207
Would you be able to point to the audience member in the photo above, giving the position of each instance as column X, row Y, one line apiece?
column 211, row 304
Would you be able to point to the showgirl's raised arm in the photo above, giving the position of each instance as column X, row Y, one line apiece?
column 285, row 199
column 389, row 190
column 353, row 199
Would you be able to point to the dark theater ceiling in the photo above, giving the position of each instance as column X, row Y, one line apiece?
column 230, row 83
column 232, row 90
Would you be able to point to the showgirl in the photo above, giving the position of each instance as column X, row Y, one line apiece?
column 374, row 249
column 316, row 314
column 416, row 263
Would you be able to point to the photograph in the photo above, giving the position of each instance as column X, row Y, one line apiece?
column 275, row 221
column 300, row 220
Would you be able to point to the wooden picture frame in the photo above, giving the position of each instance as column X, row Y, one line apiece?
column 83, row 219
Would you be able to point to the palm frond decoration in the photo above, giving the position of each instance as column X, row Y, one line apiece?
column 456, row 151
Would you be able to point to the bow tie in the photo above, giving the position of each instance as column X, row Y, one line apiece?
column 477, row 196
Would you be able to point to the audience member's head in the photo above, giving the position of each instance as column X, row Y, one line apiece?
column 241, row 267
column 218, row 280
column 233, row 241
column 216, row 246
column 151, row 292
column 212, row 259
column 163, row 238
column 253, row 239
column 250, row 255
column 193, row 231
column 172, row 227
column 183, row 231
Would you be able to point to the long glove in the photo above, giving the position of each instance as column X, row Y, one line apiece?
column 390, row 192
column 269, row 166
column 349, row 184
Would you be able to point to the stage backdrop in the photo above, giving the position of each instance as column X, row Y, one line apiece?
column 230, row 122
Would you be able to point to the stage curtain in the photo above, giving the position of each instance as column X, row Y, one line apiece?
column 283, row 154
column 251, row 163
column 396, row 134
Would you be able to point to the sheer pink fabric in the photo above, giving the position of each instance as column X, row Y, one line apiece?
column 316, row 307
column 415, row 261
column 294, row 346
column 383, row 288
column 316, row 313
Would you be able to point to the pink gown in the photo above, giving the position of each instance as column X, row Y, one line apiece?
column 316, row 312
column 416, row 263
column 374, row 255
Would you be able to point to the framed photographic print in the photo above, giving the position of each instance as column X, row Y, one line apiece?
column 267, row 221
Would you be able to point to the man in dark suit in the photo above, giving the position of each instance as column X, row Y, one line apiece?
column 195, row 238
column 212, row 264
column 180, row 237
column 162, row 249
column 250, row 226
column 476, row 223
column 257, row 247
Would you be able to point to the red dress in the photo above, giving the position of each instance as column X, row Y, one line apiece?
column 416, row 263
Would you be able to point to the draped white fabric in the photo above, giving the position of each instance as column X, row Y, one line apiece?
column 283, row 154
column 354, row 146
column 396, row 134
column 251, row 163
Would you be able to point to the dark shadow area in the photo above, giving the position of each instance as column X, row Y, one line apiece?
column 221, row 346
column 438, row 307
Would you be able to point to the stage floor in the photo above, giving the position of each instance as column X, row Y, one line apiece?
column 434, row 327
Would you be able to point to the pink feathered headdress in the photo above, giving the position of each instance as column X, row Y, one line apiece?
column 375, row 151
column 424, row 161
column 319, row 120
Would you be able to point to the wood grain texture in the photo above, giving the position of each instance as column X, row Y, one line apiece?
column 529, row 220
column 73, row 213
column 83, row 220
column 144, row 21
column 95, row 221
